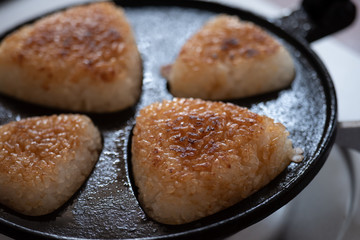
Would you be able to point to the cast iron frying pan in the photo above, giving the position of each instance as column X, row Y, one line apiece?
column 106, row 206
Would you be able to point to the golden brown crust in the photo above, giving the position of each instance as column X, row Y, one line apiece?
column 76, row 37
column 33, row 147
column 44, row 161
column 228, row 38
column 82, row 59
column 192, row 158
column 197, row 133
column 227, row 59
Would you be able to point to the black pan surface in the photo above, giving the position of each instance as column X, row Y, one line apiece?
column 106, row 206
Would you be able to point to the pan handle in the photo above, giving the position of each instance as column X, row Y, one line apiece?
column 348, row 134
column 318, row 18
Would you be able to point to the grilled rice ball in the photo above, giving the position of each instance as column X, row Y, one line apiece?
column 192, row 158
column 45, row 160
column 81, row 59
column 227, row 59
